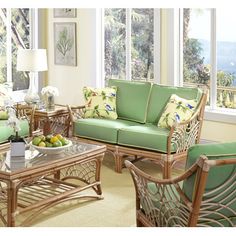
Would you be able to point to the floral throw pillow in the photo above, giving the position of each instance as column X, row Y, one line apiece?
column 177, row 110
column 100, row 103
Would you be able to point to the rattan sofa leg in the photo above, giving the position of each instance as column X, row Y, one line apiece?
column 118, row 162
column 139, row 223
column 167, row 163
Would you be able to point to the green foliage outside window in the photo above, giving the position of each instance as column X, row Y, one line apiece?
column 20, row 37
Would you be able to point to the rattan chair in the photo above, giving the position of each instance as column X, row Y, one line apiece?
column 24, row 111
column 204, row 195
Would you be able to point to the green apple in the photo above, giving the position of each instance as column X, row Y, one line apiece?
column 36, row 141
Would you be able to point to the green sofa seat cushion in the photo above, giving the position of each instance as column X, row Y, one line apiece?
column 6, row 131
column 105, row 130
column 132, row 99
column 217, row 176
column 160, row 95
column 145, row 136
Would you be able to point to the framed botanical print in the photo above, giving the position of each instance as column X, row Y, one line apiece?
column 65, row 12
column 65, row 43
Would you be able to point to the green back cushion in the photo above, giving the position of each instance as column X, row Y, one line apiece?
column 160, row 96
column 3, row 115
column 217, row 175
column 132, row 99
column 6, row 131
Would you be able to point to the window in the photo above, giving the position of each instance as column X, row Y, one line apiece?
column 209, row 49
column 15, row 32
column 131, row 44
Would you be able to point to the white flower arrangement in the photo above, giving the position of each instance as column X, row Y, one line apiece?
column 50, row 91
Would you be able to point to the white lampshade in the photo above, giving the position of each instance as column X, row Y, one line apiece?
column 32, row 60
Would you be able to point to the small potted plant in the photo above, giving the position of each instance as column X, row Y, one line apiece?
column 17, row 142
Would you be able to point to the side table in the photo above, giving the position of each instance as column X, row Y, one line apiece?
column 53, row 121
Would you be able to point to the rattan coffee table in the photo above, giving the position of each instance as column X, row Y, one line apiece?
column 33, row 183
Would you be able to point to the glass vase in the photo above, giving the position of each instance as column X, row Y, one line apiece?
column 50, row 102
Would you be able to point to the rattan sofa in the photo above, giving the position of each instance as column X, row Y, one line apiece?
column 135, row 132
column 205, row 195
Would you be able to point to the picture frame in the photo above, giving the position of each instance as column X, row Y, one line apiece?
column 65, row 48
column 64, row 12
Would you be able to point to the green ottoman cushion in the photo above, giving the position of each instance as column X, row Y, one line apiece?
column 132, row 99
column 146, row 136
column 105, row 130
column 160, row 96
column 6, row 131
column 217, row 176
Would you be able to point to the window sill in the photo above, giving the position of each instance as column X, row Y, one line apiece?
column 18, row 96
column 220, row 115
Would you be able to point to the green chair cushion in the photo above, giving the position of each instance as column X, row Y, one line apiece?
column 146, row 136
column 217, row 176
column 3, row 115
column 105, row 130
column 6, row 131
column 132, row 99
column 160, row 96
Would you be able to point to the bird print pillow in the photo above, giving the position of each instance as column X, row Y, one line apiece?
column 177, row 110
column 100, row 103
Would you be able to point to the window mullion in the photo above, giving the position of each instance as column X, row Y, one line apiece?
column 9, row 45
column 100, row 47
column 213, row 80
column 34, row 37
column 157, row 50
column 128, row 44
column 181, row 42
column 33, row 28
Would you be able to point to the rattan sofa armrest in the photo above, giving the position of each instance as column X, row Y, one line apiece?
column 76, row 112
column 184, row 134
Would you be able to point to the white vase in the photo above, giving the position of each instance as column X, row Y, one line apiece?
column 17, row 149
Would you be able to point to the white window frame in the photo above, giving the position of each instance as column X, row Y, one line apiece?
column 18, row 96
column 212, row 112
column 157, row 50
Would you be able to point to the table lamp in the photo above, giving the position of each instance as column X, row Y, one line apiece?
column 33, row 61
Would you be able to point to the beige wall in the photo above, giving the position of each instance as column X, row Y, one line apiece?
column 218, row 131
column 71, row 79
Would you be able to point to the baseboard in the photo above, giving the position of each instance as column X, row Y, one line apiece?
column 207, row 141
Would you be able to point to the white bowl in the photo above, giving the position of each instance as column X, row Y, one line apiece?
column 51, row 150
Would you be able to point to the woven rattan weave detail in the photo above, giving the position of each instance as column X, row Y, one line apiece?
column 189, row 131
column 163, row 203
column 212, row 208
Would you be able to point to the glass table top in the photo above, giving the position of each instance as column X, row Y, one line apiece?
column 33, row 158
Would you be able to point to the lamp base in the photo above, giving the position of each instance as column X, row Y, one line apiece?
column 32, row 96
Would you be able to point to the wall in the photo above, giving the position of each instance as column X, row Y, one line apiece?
column 71, row 79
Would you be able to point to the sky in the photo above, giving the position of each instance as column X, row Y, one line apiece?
column 226, row 23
